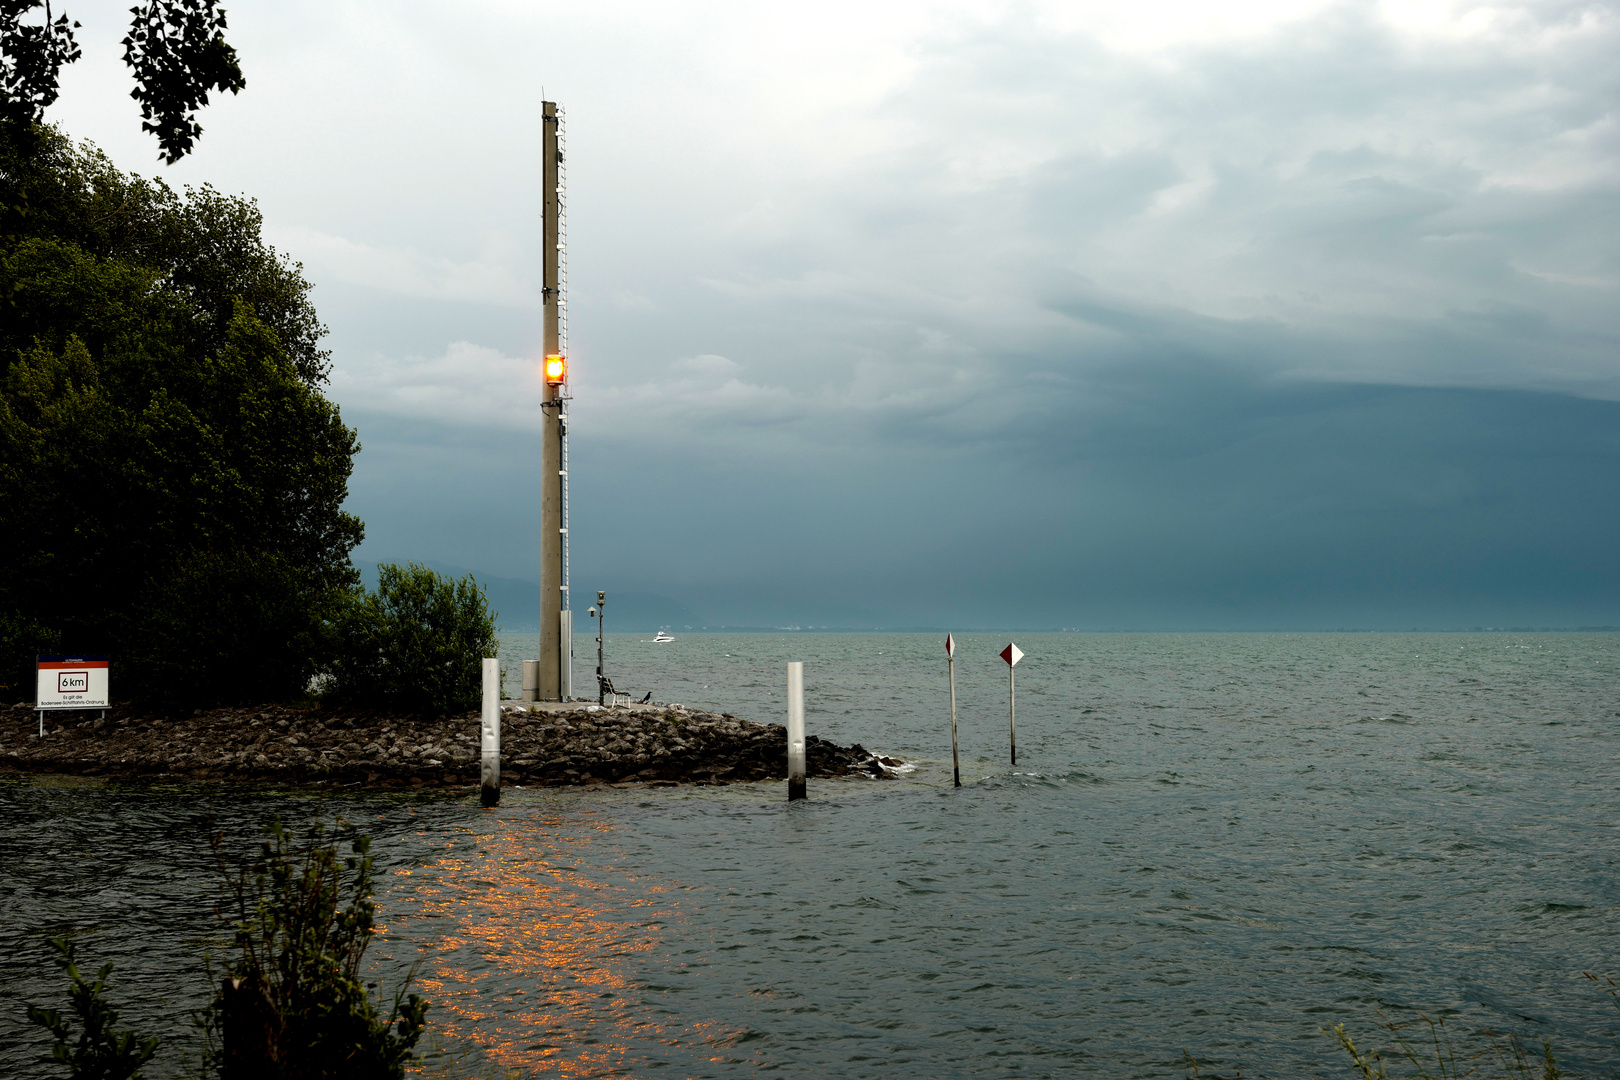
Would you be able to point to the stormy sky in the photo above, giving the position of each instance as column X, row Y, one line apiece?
column 978, row 314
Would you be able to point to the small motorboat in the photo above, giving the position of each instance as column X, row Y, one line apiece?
column 662, row 636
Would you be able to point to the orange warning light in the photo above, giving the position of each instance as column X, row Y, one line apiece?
column 556, row 370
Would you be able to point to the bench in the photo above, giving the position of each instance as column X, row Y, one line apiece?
column 610, row 696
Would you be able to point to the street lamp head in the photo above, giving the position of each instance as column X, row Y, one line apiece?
column 556, row 370
column 593, row 612
column 601, row 597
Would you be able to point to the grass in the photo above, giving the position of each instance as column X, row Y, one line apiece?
column 1423, row 1049
column 1434, row 1057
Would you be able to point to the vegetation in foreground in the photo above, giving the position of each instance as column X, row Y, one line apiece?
column 291, row 1001
column 99, row 1050
column 1504, row 1057
column 293, row 994
column 1434, row 1055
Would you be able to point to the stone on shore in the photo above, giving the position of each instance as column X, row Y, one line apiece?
column 305, row 744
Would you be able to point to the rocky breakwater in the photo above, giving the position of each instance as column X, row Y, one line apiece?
column 292, row 744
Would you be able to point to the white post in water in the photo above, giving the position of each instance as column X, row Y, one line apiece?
column 1012, row 654
column 795, row 729
column 490, row 742
column 950, row 666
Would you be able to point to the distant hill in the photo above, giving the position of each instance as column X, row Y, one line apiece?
column 516, row 602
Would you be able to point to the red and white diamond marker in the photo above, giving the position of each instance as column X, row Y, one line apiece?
column 1012, row 654
column 950, row 645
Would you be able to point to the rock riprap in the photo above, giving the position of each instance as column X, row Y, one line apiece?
column 665, row 745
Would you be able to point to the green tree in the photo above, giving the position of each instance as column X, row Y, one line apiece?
column 171, row 478
column 416, row 644
column 200, row 251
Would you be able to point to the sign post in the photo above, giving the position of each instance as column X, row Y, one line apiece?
column 1012, row 654
column 950, row 666
column 70, row 682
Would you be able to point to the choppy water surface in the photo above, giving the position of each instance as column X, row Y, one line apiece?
column 1211, row 843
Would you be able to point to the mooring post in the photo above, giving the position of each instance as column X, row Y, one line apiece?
column 1012, row 714
column 531, row 680
column 795, row 729
column 490, row 742
column 950, row 666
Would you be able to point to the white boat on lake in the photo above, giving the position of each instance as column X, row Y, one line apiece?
column 662, row 636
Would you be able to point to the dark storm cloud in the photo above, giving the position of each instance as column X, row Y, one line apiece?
column 1201, row 497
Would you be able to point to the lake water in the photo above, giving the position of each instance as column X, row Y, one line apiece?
column 1217, row 844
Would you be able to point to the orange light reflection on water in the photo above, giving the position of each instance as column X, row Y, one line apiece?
column 525, row 946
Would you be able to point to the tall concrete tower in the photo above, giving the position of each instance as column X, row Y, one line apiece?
column 556, row 629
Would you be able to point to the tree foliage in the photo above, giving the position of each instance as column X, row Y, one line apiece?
column 416, row 644
column 176, row 48
column 171, row 478
column 200, row 250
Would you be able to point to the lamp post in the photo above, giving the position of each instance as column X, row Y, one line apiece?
column 600, row 611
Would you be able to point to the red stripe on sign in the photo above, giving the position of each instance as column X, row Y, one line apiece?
column 80, row 666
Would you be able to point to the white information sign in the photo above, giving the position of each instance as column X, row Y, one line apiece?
column 71, row 682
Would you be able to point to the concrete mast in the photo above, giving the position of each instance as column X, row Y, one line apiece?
column 555, row 683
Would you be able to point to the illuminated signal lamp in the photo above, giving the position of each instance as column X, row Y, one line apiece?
column 556, row 370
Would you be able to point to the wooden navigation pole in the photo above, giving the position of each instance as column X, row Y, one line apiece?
column 950, row 666
column 556, row 630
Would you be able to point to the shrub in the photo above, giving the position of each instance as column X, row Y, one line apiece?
column 99, row 1053
column 416, row 644
column 294, row 1004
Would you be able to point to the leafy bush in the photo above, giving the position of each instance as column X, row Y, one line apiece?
column 416, row 644
column 99, row 1053
column 294, row 1004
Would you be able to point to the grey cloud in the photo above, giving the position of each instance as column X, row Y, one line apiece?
column 1311, row 330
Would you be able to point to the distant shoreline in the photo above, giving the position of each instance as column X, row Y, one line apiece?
column 1075, row 630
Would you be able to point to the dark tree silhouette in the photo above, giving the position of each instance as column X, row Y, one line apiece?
column 178, row 51
column 31, row 55
column 176, row 48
